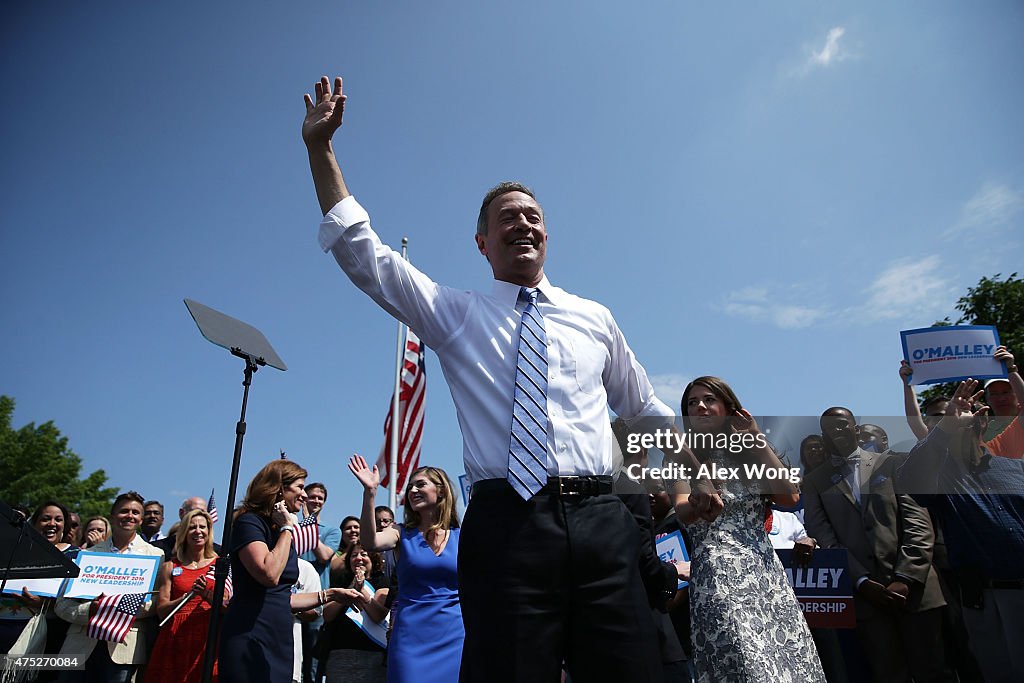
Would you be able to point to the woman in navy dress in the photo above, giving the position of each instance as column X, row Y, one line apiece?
column 256, row 641
column 427, row 633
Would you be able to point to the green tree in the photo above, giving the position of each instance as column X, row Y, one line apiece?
column 36, row 465
column 991, row 302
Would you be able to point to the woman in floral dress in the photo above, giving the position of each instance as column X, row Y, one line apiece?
column 746, row 623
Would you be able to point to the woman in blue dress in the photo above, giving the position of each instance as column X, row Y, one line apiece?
column 256, row 641
column 427, row 633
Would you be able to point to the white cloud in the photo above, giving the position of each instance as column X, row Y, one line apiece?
column 915, row 290
column 795, row 317
column 908, row 289
column 830, row 53
column 669, row 387
column 831, row 50
column 992, row 208
column 755, row 304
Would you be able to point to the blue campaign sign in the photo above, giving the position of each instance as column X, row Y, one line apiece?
column 465, row 486
column 824, row 587
column 671, row 548
column 113, row 574
column 952, row 353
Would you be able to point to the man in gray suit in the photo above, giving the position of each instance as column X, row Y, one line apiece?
column 850, row 503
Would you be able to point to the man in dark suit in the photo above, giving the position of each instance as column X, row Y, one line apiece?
column 659, row 578
column 850, row 503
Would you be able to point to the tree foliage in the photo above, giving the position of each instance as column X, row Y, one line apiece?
column 991, row 302
column 37, row 465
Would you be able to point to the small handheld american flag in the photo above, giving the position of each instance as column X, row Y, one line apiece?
column 211, row 507
column 211, row 578
column 114, row 616
column 307, row 535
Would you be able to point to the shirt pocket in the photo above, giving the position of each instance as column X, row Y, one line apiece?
column 585, row 361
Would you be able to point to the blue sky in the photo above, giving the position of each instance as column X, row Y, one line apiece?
column 765, row 191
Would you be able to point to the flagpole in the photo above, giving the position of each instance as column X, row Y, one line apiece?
column 396, row 397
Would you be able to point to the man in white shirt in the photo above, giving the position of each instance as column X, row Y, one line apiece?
column 308, row 582
column 547, row 575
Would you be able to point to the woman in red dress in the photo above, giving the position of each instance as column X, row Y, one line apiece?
column 178, row 653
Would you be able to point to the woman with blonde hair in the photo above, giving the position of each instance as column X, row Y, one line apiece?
column 256, row 641
column 427, row 633
column 180, row 646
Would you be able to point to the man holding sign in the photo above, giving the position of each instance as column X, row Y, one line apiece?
column 111, row 661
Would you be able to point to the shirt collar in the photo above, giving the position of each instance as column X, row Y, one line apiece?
column 857, row 455
column 132, row 545
column 508, row 293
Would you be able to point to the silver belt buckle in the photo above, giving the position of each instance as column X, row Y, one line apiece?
column 562, row 491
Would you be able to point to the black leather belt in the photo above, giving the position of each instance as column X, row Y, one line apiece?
column 559, row 486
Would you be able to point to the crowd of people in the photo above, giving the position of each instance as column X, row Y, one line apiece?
column 934, row 539
column 554, row 573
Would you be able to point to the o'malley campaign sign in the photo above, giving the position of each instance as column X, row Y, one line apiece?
column 823, row 588
column 670, row 548
column 112, row 574
column 952, row 353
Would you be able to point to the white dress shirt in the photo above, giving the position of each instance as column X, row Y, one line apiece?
column 475, row 337
column 786, row 529
column 308, row 582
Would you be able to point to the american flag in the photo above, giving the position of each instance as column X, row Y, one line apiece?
column 211, row 507
column 411, row 410
column 114, row 616
column 211, row 577
column 307, row 535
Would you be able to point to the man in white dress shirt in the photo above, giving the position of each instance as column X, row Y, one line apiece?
column 552, row 576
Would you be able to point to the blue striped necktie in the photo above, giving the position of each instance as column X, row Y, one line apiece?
column 528, row 450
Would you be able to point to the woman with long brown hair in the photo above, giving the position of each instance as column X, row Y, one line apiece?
column 426, row 638
column 256, row 642
column 746, row 622
column 180, row 646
